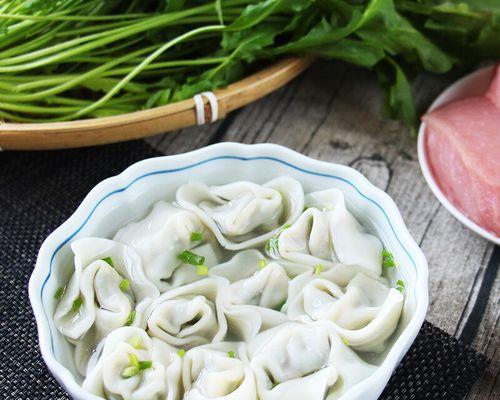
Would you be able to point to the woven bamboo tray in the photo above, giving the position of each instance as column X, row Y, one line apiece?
column 89, row 132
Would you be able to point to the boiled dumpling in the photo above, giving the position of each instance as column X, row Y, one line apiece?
column 102, row 294
column 134, row 366
column 327, row 234
column 258, row 290
column 189, row 315
column 298, row 361
column 365, row 314
column 218, row 371
column 244, row 214
column 160, row 237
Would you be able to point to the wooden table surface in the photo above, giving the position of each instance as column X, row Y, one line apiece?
column 331, row 113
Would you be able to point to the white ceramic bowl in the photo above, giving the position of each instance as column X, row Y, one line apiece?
column 128, row 196
column 474, row 84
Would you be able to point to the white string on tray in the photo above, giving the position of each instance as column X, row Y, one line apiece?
column 201, row 116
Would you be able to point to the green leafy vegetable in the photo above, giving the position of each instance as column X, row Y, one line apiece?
column 231, row 354
column 95, row 58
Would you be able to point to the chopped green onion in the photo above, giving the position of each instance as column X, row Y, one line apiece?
column 77, row 304
column 59, row 293
column 135, row 342
column 388, row 259
column 262, row 263
column 181, row 352
column 129, row 372
column 346, row 342
column 187, row 257
column 196, row 236
column 145, row 364
column 201, row 270
column 400, row 285
column 134, row 361
column 231, row 354
column 280, row 306
column 318, row 269
column 131, row 318
column 124, row 285
column 109, row 260
column 272, row 244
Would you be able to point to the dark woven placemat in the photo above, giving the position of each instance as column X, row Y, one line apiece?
column 38, row 191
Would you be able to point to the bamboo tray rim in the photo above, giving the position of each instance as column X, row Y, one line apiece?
column 146, row 122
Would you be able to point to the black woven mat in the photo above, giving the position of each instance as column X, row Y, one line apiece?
column 38, row 191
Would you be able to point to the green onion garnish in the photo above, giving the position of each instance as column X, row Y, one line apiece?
column 196, row 236
column 181, row 352
column 77, row 304
column 318, row 269
column 145, row 364
column 280, row 306
column 400, row 285
column 187, row 257
column 59, row 293
column 129, row 372
column 388, row 259
column 135, row 342
column 230, row 354
column 131, row 318
column 262, row 263
column 134, row 361
column 346, row 342
column 201, row 270
column 124, row 285
column 272, row 244
column 109, row 260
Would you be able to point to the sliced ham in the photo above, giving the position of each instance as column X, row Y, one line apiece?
column 463, row 147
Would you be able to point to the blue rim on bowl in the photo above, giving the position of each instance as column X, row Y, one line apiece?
column 395, row 232
column 474, row 84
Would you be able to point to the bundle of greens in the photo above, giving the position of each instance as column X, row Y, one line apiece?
column 62, row 60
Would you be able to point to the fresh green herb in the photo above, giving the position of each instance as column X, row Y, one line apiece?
column 59, row 293
column 272, row 244
column 181, row 352
column 400, row 285
column 129, row 372
column 100, row 58
column 346, row 342
column 77, row 303
column 196, row 236
column 231, row 354
column 124, row 285
column 201, row 270
column 318, row 269
column 135, row 342
column 262, row 263
column 109, row 260
column 187, row 257
column 388, row 259
column 131, row 318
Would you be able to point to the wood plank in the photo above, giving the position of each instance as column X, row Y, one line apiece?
column 332, row 113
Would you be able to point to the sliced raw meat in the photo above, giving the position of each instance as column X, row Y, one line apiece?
column 463, row 147
column 494, row 90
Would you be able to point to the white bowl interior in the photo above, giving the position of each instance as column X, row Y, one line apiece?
column 475, row 84
column 130, row 196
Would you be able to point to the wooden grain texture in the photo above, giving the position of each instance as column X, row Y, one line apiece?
column 332, row 113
